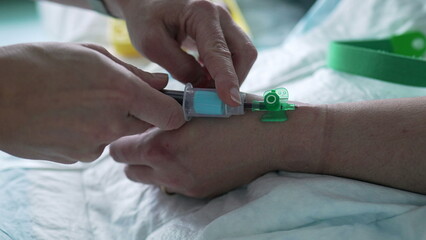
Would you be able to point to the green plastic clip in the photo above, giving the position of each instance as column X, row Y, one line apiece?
column 275, row 104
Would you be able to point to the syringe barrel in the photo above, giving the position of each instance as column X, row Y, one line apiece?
column 201, row 102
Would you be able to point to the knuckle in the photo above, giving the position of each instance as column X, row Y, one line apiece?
column 250, row 51
column 203, row 6
column 196, row 13
column 156, row 149
column 148, row 43
column 219, row 47
column 118, row 84
column 153, row 151
column 217, row 50
column 222, row 78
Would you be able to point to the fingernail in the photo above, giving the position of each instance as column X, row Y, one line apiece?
column 235, row 95
column 161, row 76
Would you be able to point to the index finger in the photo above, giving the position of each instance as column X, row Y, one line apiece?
column 214, row 51
column 156, row 108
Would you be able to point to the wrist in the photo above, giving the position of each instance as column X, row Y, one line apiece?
column 301, row 139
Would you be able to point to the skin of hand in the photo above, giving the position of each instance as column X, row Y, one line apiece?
column 159, row 28
column 207, row 157
column 66, row 102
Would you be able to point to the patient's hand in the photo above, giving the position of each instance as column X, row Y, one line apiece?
column 207, row 157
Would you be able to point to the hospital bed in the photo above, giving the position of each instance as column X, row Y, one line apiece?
column 43, row 200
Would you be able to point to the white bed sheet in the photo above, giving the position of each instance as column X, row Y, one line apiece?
column 42, row 200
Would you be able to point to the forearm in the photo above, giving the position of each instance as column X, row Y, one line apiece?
column 298, row 141
column 378, row 141
column 381, row 142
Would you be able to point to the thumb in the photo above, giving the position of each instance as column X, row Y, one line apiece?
column 156, row 108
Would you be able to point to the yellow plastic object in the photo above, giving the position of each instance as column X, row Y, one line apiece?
column 120, row 40
column 237, row 15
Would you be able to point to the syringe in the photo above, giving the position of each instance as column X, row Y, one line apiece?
column 204, row 102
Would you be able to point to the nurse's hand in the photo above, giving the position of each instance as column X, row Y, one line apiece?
column 66, row 102
column 159, row 28
column 204, row 158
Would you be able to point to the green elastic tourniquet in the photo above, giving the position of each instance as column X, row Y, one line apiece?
column 397, row 59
